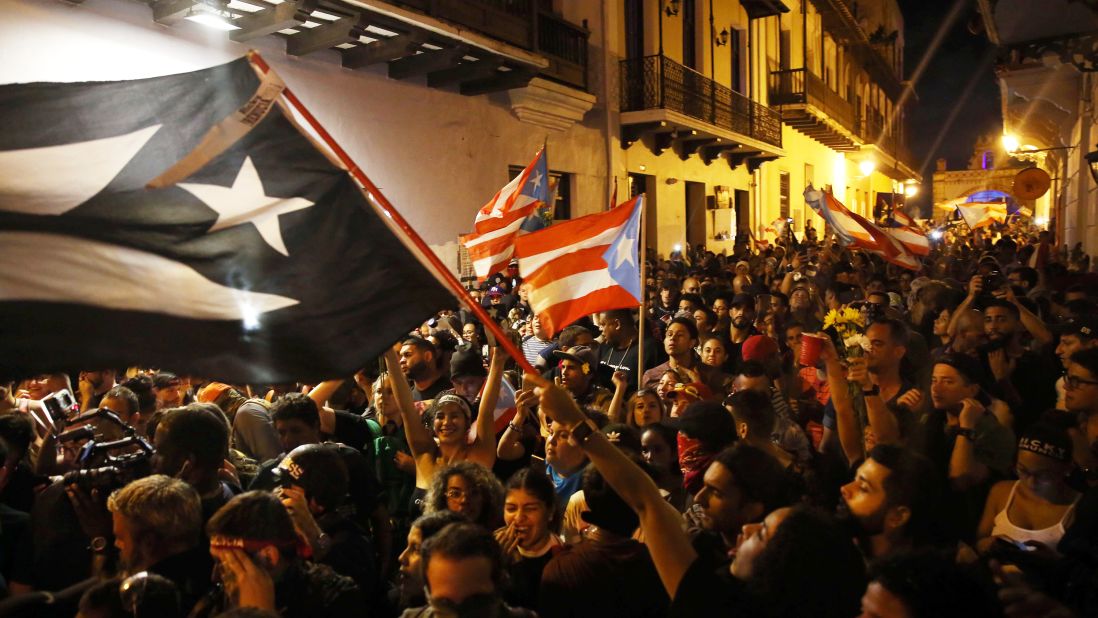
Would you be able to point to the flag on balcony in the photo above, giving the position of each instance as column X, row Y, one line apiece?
column 583, row 266
column 187, row 222
column 854, row 231
column 512, row 210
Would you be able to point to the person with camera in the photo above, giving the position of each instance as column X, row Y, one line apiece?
column 313, row 484
column 261, row 563
column 1024, row 378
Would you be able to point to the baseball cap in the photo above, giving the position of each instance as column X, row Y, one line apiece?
column 743, row 299
column 580, row 354
column 165, row 379
column 495, row 291
column 694, row 391
column 1082, row 326
column 758, row 347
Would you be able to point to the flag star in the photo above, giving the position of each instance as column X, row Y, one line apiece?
column 245, row 202
column 537, row 180
column 624, row 251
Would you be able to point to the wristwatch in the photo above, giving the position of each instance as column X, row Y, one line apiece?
column 872, row 391
column 967, row 433
column 581, row 432
column 99, row 545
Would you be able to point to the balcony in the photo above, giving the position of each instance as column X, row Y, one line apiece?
column 679, row 108
column 809, row 105
column 519, row 23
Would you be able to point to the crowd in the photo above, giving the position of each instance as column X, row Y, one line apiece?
column 792, row 430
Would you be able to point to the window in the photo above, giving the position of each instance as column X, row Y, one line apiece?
column 560, row 186
column 735, row 47
column 783, row 194
column 809, row 175
column 690, row 34
column 634, row 28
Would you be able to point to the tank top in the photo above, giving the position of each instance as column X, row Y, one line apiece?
column 1049, row 537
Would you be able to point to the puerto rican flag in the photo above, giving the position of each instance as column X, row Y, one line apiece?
column 904, row 229
column 513, row 209
column 583, row 266
column 982, row 214
column 856, row 232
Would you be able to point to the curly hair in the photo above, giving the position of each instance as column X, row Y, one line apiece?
column 491, row 491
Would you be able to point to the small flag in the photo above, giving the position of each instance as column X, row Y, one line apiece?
column 583, row 266
column 188, row 222
column 982, row 214
column 513, row 208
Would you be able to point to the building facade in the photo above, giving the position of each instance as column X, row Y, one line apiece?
column 1046, row 71
column 721, row 111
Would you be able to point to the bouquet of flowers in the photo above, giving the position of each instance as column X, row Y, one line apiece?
column 849, row 324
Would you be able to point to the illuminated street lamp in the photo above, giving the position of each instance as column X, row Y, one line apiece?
column 1010, row 142
column 867, row 166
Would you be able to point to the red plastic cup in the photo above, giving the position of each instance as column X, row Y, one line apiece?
column 811, row 346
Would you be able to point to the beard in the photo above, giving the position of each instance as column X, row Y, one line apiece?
column 418, row 370
column 741, row 322
column 859, row 527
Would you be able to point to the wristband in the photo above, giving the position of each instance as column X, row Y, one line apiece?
column 967, row 433
column 872, row 391
column 581, row 432
column 514, row 428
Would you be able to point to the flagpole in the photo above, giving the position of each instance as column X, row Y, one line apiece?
column 442, row 273
column 642, row 250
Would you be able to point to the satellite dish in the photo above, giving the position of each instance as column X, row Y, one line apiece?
column 1031, row 183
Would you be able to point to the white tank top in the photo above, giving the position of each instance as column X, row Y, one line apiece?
column 1049, row 537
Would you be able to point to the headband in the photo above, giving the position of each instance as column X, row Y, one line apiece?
column 1042, row 447
column 460, row 401
column 254, row 545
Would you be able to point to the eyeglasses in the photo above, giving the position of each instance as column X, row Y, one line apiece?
column 456, row 493
column 1073, row 382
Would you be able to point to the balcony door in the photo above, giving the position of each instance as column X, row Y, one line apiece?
column 634, row 28
column 690, row 34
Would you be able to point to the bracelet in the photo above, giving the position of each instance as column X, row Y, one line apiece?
column 513, row 427
column 967, row 433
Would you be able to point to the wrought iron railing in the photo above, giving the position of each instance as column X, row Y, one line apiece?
column 520, row 23
column 565, row 45
column 657, row 82
column 793, row 86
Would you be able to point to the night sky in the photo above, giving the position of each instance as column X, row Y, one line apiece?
column 961, row 58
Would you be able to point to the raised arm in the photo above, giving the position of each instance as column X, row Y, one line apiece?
column 484, row 448
column 975, row 286
column 846, row 425
column 668, row 544
column 616, row 411
column 420, row 441
column 964, row 470
column 1029, row 320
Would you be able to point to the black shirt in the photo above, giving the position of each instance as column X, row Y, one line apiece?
column 702, row 592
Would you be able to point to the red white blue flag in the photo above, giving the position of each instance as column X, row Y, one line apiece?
column 857, row 232
column 513, row 209
column 583, row 266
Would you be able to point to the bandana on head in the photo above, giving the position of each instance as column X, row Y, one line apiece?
column 693, row 461
column 254, row 545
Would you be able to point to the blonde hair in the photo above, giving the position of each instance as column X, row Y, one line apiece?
column 165, row 507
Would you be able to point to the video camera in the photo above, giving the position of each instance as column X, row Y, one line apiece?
column 117, row 461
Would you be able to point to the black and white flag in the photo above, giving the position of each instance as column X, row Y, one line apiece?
column 257, row 258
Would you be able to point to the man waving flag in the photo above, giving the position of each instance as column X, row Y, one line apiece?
column 583, row 266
